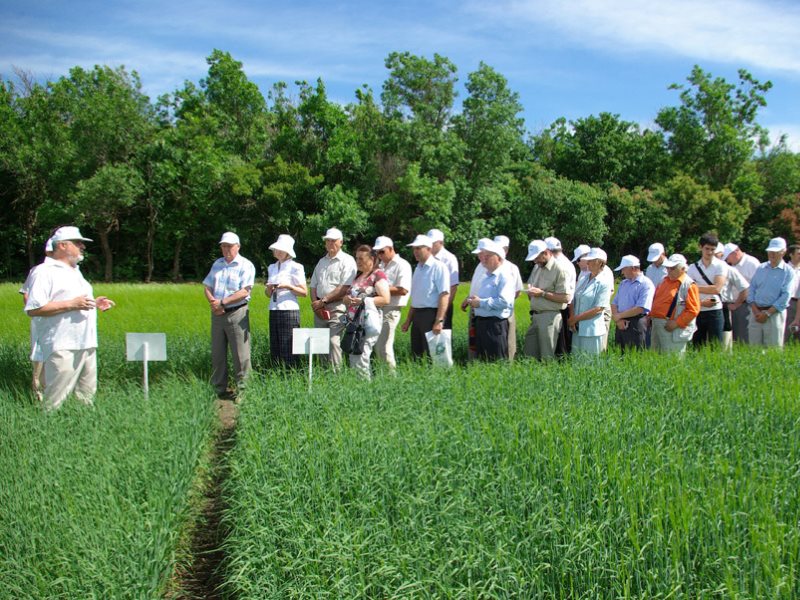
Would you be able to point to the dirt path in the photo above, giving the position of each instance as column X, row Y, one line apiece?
column 202, row 578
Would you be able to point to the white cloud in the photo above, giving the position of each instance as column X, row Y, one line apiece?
column 791, row 130
column 750, row 32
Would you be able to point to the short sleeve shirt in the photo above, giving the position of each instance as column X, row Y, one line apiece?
column 290, row 272
column 716, row 268
column 430, row 280
column 330, row 273
column 398, row 273
column 226, row 278
column 364, row 287
column 449, row 259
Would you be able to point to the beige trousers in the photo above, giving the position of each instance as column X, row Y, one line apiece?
column 542, row 335
column 769, row 333
column 663, row 341
column 336, row 326
column 66, row 371
column 384, row 347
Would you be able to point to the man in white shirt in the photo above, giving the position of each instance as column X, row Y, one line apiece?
column 656, row 271
column 710, row 274
column 451, row 262
column 330, row 282
column 398, row 273
column 67, row 330
column 513, row 269
column 734, row 295
column 37, row 377
column 746, row 265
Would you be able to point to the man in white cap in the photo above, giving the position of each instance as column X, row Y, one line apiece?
column 547, row 290
column 656, row 271
column 37, row 376
column 227, row 288
column 330, row 282
column 448, row 258
column 768, row 296
column 505, row 243
column 430, row 296
column 746, row 265
column 492, row 303
column 676, row 304
column 564, row 345
column 477, row 276
column 398, row 273
column 630, row 305
column 67, row 330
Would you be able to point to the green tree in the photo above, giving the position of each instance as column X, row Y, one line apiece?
column 714, row 132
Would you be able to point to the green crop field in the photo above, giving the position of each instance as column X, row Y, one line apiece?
column 641, row 476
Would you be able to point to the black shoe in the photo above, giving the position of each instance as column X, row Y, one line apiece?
column 227, row 395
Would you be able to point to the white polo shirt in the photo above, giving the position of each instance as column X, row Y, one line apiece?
column 55, row 280
column 398, row 272
column 717, row 267
column 290, row 272
column 747, row 266
column 450, row 260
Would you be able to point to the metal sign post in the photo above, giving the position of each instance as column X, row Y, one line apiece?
column 146, row 347
column 311, row 341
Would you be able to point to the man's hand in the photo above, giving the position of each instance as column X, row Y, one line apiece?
column 317, row 304
column 104, row 303
column 437, row 327
column 535, row 292
column 671, row 325
column 82, row 303
column 762, row 317
column 622, row 324
column 404, row 327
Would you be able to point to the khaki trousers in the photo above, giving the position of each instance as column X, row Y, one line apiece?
column 37, row 380
column 67, row 371
column 769, row 333
column 230, row 330
column 663, row 340
column 336, row 326
column 384, row 347
column 542, row 335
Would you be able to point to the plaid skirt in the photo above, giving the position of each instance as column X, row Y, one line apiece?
column 281, row 324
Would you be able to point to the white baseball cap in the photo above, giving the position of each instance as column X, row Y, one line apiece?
column 502, row 240
column 333, row 234
column 48, row 245
column 436, row 235
column 654, row 251
column 674, row 260
column 629, row 260
column 553, row 243
column 487, row 245
column 597, row 253
column 421, row 240
column 777, row 244
column 729, row 249
column 535, row 248
column 580, row 251
column 720, row 249
column 285, row 243
column 229, row 238
column 66, row 234
column 382, row 242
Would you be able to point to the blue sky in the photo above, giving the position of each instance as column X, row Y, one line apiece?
column 570, row 59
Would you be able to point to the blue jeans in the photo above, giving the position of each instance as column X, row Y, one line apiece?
column 710, row 324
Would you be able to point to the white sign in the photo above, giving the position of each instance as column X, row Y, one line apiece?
column 155, row 345
column 311, row 341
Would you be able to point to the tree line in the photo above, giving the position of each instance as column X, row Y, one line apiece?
column 155, row 183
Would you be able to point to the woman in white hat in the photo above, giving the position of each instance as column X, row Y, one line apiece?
column 591, row 297
column 286, row 282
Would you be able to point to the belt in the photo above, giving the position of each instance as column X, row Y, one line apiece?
column 230, row 309
column 424, row 308
column 763, row 307
column 539, row 312
column 489, row 319
column 634, row 318
column 793, row 300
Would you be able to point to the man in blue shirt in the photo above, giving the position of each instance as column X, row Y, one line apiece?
column 493, row 302
column 632, row 303
column 227, row 287
column 768, row 297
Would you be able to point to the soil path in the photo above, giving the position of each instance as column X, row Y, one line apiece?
column 202, row 577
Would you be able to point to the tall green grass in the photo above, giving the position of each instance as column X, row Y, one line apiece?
column 642, row 476
column 93, row 499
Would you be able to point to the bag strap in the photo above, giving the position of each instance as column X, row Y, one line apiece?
column 674, row 302
column 702, row 273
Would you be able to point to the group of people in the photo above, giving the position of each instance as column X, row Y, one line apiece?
column 724, row 296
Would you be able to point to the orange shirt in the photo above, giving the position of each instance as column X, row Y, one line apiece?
column 665, row 293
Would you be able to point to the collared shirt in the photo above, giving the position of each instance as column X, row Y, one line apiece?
column 226, row 278
column 747, row 266
column 665, row 294
column 635, row 292
column 572, row 276
column 430, row 280
column 552, row 277
column 330, row 273
column 53, row 281
column 771, row 286
column 398, row 272
column 497, row 293
column 655, row 274
column 290, row 272
column 607, row 276
column 514, row 272
column 734, row 285
column 796, row 293
column 593, row 292
column 36, row 349
column 477, row 277
column 449, row 259
column 716, row 268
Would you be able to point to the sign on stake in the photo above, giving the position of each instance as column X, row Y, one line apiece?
column 311, row 341
column 146, row 347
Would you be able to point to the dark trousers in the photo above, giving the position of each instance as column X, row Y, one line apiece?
column 710, row 325
column 491, row 338
column 421, row 322
column 564, row 342
column 448, row 318
column 281, row 326
column 634, row 337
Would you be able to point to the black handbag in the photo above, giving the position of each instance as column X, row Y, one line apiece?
column 354, row 334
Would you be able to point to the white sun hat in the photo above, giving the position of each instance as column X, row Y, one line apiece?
column 285, row 243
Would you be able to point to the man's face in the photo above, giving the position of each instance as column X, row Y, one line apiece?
column 707, row 251
column 583, row 263
column 73, row 251
column 795, row 257
column 332, row 246
column 436, row 247
column 659, row 260
column 630, row 272
column 386, row 254
column 543, row 257
column 229, row 251
column 490, row 260
column 422, row 253
column 674, row 272
column 775, row 257
column 734, row 257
